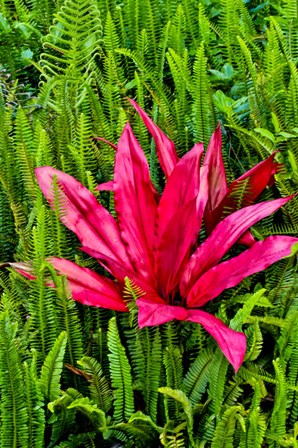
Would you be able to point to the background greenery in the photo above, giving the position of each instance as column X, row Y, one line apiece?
column 73, row 376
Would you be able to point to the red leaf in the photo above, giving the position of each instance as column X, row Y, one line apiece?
column 247, row 239
column 165, row 148
column 180, row 214
column 258, row 178
column 89, row 288
column 120, row 271
column 135, row 203
column 251, row 185
column 81, row 213
column 24, row 269
column 217, row 175
column 154, row 311
column 107, row 142
column 225, row 234
column 106, row 186
column 232, row 343
column 229, row 273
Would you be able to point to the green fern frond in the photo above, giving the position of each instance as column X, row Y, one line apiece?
column 224, row 432
column 99, row 386
column 140, row 429
column 68, row 320
column 34, row 402
column 174, row 437
column 177, row 33
column 256, row 423
column 52, row 368
column 91, row 411
column 131, row 291
column 243, row 313
column 172, row 360
column 255, row 342
column 86, row 440
column 120, row 372
column 202, row 108
column 233, row 391
column 196, row 380
column 73, row 42
column 278, row 418
column 24, row 152
column 185, row 403
column 217, row 380
column 14, row 429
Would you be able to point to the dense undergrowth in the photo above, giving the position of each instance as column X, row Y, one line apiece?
column 76, row 376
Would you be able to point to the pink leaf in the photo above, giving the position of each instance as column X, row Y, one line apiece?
column 232, row 343
column 25, row 269
column 85, row 285
column 81, row 213
column 247, row 239
column 165, row 148
column 175, row 241
column 225, row 234
column 257, row 179
column 229, row 273
column 120, row 271
column 251, row 184
column 182, row 186
column 217, row 175
column 154, row 311
column 134, row 202
column 106, row 186
column 90, row 288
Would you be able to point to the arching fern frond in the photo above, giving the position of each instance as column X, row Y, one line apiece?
column 52, row 369
column 196, row 380
column 224, row 432
column 98, row 384
column 73, row 42
column 14, row 429
column 120, row 372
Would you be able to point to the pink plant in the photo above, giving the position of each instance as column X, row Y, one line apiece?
column 154, row 239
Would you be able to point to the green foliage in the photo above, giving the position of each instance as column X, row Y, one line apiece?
column 99, row 387
column 120, row 371
column 51, row 369
column 73, row 376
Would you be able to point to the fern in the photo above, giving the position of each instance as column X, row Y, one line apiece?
column 256, row 424
column 36, row 414
column 99, row 387
column 120, row 372
column 73, row 41
column 278, row 418
column 184, row 402
column 173, row 366
column 52, row 368
column 14, row 412
column 197, row 377
column 92, row 412
column 224, row 432
column 217, row 378
column 63, row 419
column 68, row 320
column 245, row 312
column 139, row 428
column 202, row 116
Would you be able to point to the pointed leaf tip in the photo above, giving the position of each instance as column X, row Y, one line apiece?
column 82, row 213
column 232, row 343
column 154, row 311
column 165, row 148
column 135, row 202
